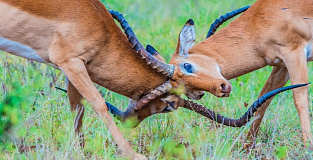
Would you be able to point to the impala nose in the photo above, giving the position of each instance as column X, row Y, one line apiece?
column 225, row 89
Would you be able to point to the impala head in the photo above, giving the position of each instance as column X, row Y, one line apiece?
column 152, row 57
column 197, row 72
column 192, row 94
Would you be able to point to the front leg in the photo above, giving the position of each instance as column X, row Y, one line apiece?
column 277, row 79
column 75, row 70
column 296, row 63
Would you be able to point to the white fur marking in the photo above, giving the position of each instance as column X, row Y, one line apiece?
column 187, row 39
column 276, row 60
column 308, row 51
column 19, row 49
column 218, row 69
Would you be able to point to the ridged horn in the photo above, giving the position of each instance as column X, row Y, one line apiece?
column 159, row 91
column 243, row 119
column 166, row 69
column 223, row 19
column 112, row 109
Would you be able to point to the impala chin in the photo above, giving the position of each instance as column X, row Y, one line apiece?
column 223, row 95
column 196, row 95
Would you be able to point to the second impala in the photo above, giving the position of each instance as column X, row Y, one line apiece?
column 276, row 33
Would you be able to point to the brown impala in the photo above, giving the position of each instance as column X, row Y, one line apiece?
column 271, row 32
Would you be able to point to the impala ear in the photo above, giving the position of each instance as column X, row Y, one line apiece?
column 186, row 39
column 154, row 53
column 151, row 50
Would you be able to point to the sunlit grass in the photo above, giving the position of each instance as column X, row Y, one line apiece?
column 45, row 129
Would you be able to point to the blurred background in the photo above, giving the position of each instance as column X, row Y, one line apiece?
column 36, row 121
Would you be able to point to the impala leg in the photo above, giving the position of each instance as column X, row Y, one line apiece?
column 277, row 79
column 75, row 99
column 77, row 74
column 296, row 63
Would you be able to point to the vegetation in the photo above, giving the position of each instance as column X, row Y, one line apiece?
column 43, row 122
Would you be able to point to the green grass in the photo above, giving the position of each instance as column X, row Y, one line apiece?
column 45, row 126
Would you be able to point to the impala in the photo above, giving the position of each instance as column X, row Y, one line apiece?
column 276, row 33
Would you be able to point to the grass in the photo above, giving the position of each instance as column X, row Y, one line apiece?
column 44, row 123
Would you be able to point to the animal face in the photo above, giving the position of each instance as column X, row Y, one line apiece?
column 195, row 71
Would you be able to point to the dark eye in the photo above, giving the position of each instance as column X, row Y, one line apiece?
column 188, row 67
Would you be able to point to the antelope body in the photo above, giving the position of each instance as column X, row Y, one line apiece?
column 276, row 33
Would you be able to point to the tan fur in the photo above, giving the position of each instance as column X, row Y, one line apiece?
column 271, row 33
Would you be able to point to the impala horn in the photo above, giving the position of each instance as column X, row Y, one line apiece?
column 166, row 69
column 243, row 119
column 157, row 92
column 162, row 89
column 223, row 19
column 203, row 110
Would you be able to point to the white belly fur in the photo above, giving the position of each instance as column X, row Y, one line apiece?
column 19, row 49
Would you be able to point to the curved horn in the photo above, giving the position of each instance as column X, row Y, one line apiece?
column 115, row 111
column 223, row 19
column 166, row 69
column 157, row 92
column 135, row 106
column 160, row 90
column 243, row 119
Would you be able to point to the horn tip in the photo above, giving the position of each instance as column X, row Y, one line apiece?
column 190, row 22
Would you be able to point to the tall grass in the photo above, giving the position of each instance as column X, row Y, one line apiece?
column 45, row 129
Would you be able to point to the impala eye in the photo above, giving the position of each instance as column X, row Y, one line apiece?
column 188, row 67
